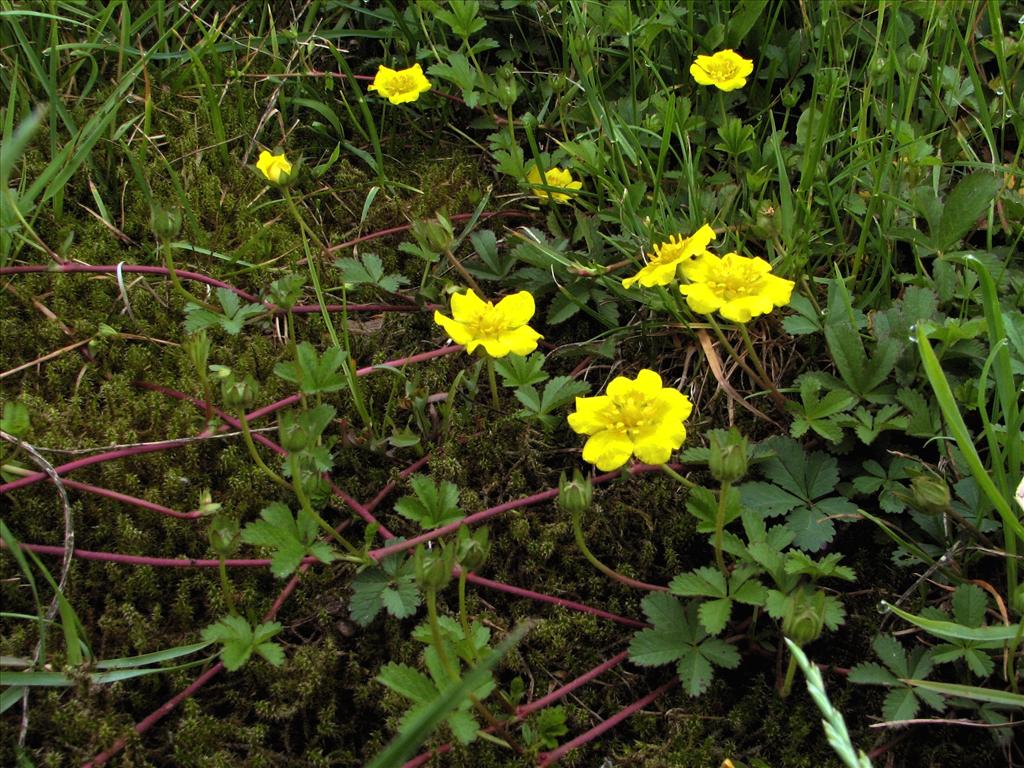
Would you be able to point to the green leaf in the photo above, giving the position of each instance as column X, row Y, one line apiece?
column 815, row 413
column 518, row 371
column 312, row 372
column 432, row 505
column 561, row 391
column 390, row 585
column 949, row 630
column 666, row 641
column 900, row 704
column 871, row 673
column 291, row 538
column 15, row 420
column 233, row 318
column 892, row 654
column 813, row 529
column 720, row 653
column 703, row 504
column 967, row 203
column 799, row 562
column 767, row 499
column 991, row 695
column 714, row 614
column 694, row 671
column 703, row 582
column 543, row 728
column 407, row 682
column 416, row 728
column 239, row 640
column 458, row 71
column 368, row 269
column 969, row 605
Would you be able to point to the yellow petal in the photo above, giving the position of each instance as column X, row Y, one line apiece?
column 495, row 347
column 456, row 331
column 468, row 306
column 676, row 403
column 620, row 387
column 700, row 298
column 697, row 271
column 607, row 450
column 516, row 309
column 520, row 341
column 591, row 414
column 648, row 382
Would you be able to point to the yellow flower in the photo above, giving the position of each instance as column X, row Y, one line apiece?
column 726, row 70
column 275, row 168
column 400, row 86
column 661, row 270
column 499, row 329
column 553, row 177
column 736, row 287
column 637, row 417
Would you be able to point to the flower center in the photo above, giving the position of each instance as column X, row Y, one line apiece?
column 488, row 326
column 402, row 84
column 722, row 70
column 633, row 413
column 734, row 281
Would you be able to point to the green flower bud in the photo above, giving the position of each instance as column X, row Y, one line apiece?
column 240, row 395
column 224, row 535
column 930, row 493
column 506, row 88
column 804, row 619
column 434, row 567
column 207, row 506
column 575, row 496
column 220, row 372
column 434, row 235
column 728, row 459
column 791, row 94
column 165, row 222
column 294, row 437
column 472, row 548
column 879, row 67
column 915, row 63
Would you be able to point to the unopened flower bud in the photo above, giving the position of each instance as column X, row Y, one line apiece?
column 293, row 436
column 165, row 222
column 791, row 94
column 728, row 458
column 434, row 567
column 224, row 535
column 575, row 496
column 915, row 63
column 240, row 395
column 207, row 506
column 472, row 548
column 805, row 618
column 434, row 235
column 220, row 372
column 930, row 493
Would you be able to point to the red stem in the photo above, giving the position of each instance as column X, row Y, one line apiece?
column 552, row 757
column 406, row 227
column 536, row 498
column 533, row 706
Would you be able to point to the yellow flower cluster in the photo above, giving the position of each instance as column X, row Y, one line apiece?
column 499, row 328
column 400, row 85
column 275, row 168
column 726, row 70
column 636, row 417
column 556, row 177
column 736, row 287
